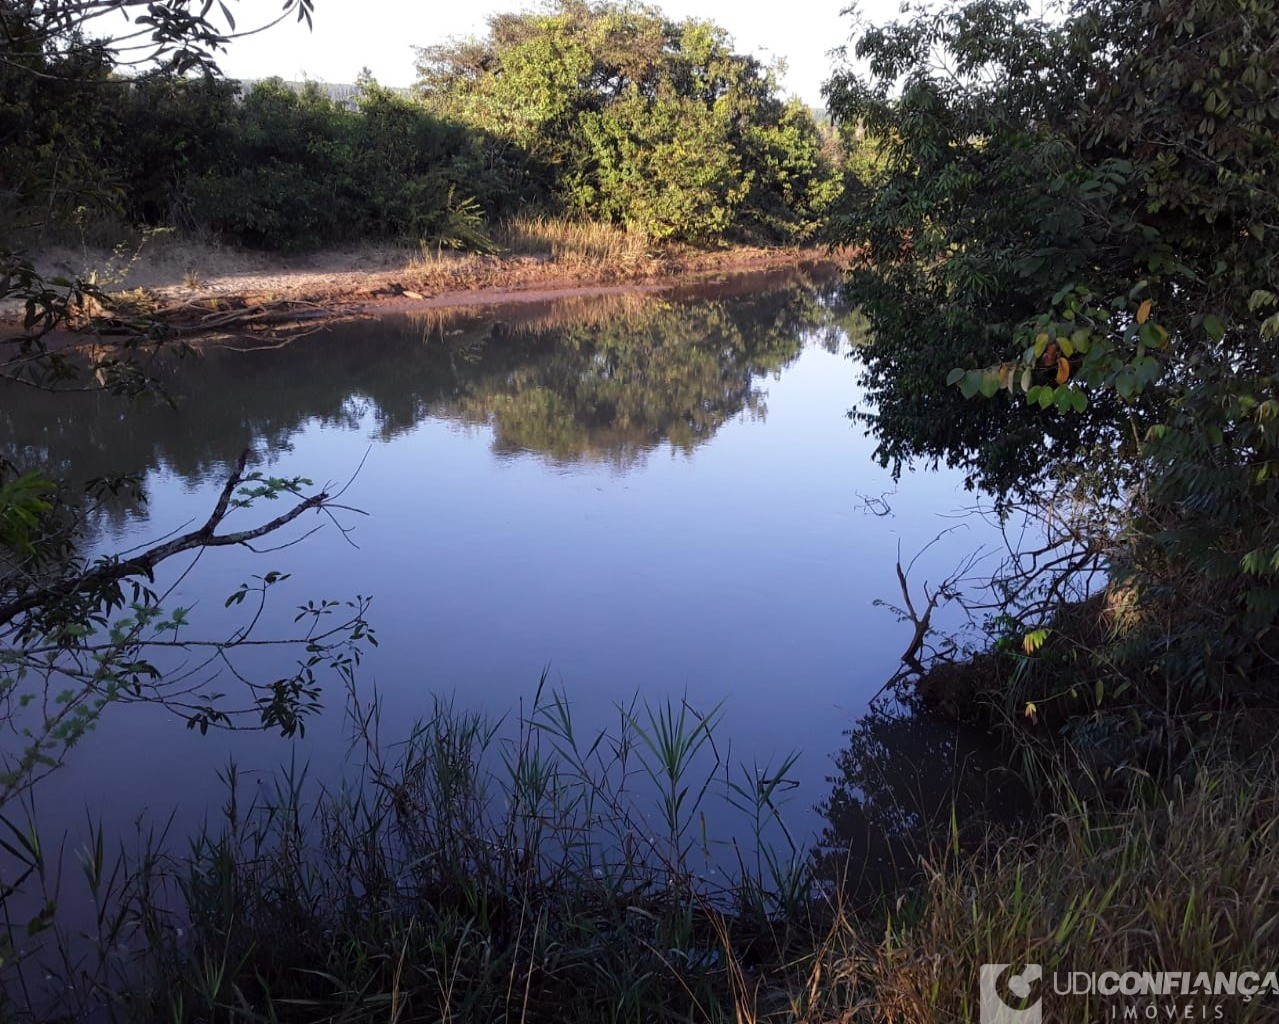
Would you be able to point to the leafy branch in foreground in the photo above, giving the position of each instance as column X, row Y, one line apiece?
column 51, row 39
column 78, row 635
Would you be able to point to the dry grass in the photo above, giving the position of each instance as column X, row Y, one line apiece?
column 591, row 312
column 1179, row 882
column 573, row 242
column 539, row 256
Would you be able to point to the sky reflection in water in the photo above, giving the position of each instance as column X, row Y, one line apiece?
column 659, row 495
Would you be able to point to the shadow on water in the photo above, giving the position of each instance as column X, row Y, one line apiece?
column 909, row 785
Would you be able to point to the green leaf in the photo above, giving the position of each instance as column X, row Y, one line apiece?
column 1147, row 370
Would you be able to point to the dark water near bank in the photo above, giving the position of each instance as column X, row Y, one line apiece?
column 653, row 495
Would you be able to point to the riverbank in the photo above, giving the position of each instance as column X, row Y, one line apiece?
column 197, row 288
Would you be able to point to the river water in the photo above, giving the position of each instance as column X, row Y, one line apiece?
column 652, row 495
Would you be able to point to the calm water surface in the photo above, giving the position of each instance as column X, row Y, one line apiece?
column 653, row 495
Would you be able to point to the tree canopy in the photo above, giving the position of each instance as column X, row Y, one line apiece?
column 619, row 113
column 1079, row 214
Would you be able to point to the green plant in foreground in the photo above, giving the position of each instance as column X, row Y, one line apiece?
column 1070, row 221
column 464, row 873
column 475, row 873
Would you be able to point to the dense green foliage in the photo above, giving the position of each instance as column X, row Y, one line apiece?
column 1091, row 228
column 276, row 167
column 295, row 169
column 606, row 112
column 51, row 112
column 64, row 70
column 617, row 112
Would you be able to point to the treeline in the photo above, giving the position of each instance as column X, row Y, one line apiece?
column 606, row 112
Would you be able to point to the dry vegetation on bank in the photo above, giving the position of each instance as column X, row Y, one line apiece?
column 198, row 285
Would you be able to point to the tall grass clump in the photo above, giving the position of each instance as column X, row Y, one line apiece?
column 468, row 872
column 1174, row 880
column 598, row 244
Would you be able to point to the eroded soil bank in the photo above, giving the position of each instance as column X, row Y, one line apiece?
column 205, row 289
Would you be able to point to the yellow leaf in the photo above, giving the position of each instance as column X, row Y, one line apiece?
column 1143, row 312
column 1034, row 640
column 1063, row 370
column 1031, row 711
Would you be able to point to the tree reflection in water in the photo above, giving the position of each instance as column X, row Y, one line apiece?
column 909, row 784
column 606, row 379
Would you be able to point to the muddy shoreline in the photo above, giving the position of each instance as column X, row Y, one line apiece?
column 336, row 286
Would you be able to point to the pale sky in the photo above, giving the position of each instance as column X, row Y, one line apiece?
column 380, row 34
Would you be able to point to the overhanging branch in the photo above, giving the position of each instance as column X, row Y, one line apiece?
column 145, row 562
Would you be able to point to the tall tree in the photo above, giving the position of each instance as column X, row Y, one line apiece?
column 615, row 111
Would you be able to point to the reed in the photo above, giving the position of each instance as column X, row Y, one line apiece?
column 530, row 870
column 1177, row 879
column 469, row 871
